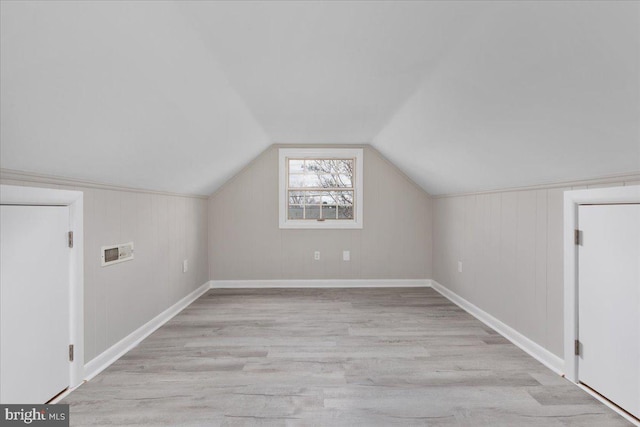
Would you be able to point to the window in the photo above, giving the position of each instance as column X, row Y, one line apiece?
column 320, row 188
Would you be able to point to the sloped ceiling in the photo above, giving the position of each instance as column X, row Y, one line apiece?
column 462, row 96
column 121, row 93
column 329, row 72
column 540, row 92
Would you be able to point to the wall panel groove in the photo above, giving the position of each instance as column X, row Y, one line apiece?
column 165, row 230
column 511, row 246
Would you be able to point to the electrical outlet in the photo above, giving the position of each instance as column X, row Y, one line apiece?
column 459, row 266
column 185, row 266
column 346, row 256
column 316, row 255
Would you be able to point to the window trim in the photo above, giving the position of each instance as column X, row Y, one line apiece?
column 314, row 153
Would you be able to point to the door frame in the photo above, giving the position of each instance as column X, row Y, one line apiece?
column 572, row 200
column 36, row 196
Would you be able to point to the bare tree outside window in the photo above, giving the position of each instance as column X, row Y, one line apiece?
column 321, row 189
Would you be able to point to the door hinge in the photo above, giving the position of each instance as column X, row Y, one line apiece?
column 70, row 352
column 576, row 347
column 577, row 237
column 70, row 239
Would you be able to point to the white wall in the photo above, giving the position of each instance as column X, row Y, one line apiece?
column 395, row 242
column 165, row 229
column 511, row 247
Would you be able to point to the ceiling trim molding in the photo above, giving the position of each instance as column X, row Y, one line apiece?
column 608, row 179
column 30, row 177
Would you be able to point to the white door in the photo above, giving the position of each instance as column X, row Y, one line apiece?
column 609, row 302
column 34, row 303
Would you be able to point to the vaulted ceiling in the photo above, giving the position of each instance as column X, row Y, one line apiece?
column 179, row 96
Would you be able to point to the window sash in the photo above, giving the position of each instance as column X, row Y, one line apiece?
column 317, row 210
column 292, row 168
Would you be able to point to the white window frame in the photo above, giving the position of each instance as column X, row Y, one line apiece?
column 320, row 153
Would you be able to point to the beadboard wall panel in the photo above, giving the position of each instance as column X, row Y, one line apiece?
column 165, row 229
column 510, row 244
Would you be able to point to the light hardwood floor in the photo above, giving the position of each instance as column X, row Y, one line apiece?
column 330, row 357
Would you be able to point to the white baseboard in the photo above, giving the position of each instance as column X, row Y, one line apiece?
column 116, row 351
column 101, row 362
column 337, row 283
column 60, row 397
column 544, row 356
column 624, row 414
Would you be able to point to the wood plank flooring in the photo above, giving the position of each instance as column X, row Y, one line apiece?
column 330, row 357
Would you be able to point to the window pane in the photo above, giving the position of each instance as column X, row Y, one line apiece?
column 320, row 173
column 295, row 212
column 312, row 212
column 313, row 199
column 343, row 181
column 344, row 167
column 296, row 166
column 327, row 199
column 317, row 166
column 296, row 181
column 305, row 181
column 334, row 181
column 296, row 197
column 328, row 212
column 345, row 212
column 309, row 204
column 343, row 197
column 331, row 166
column 326, row 181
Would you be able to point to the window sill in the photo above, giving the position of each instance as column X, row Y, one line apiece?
column 320, row 225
